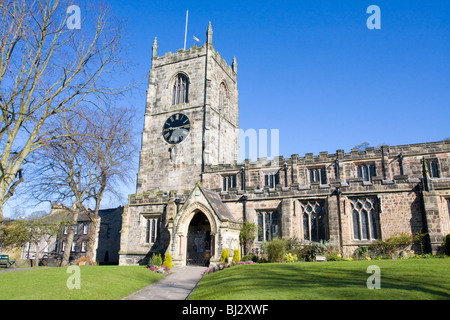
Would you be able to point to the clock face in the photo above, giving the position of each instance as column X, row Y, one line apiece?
column 176, row 128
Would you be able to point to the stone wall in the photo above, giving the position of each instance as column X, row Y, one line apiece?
column 398, row 196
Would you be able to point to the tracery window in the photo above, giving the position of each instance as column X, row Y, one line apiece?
column 180, row 90
column 314, row 220
column 365, row 219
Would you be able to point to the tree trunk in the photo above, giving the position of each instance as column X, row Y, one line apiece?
column 69, row 239
column 94, row 230
column 1, row 214
column 36, row 259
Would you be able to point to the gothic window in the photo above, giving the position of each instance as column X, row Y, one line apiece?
column 272, row 179
column 433, row 168
column 318, row 175
column 180, row 91
column 366, row 171
column 152, row 230
column 365, row 219
column 222, row 97
column 229, row 182
column 268, row 225
column 314, row 225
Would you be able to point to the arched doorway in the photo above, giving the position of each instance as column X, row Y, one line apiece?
column 198, row 249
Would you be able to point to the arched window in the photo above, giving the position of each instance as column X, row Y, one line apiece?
column 314, row 224
column 180, row 90
column 222, row 97
column 365, row 219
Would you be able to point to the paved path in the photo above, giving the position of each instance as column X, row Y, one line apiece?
column 176, row 286
column 2, row 270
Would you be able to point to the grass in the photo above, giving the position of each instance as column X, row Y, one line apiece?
column 97, row 283
column 413, row 279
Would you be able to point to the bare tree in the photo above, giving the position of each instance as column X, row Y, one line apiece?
column 93, row 151
column 47, row 68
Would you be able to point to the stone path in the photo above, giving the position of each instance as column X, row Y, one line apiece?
column 178, row 285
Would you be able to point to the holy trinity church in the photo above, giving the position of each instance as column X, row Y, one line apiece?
column 193, row 196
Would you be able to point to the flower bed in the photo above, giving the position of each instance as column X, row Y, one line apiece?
column 224, row 265
column 161, row 269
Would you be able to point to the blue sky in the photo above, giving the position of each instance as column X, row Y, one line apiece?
column 312, row 69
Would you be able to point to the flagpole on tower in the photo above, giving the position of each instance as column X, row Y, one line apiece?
column 185, row 30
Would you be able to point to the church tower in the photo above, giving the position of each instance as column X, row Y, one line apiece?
column 191, row 118
column 191, row 122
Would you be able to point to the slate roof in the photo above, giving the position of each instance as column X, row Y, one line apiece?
column 219, row 207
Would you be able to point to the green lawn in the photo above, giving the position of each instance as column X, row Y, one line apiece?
column 96, row 283
column 413, row 279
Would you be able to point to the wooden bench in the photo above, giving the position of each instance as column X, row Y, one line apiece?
column 5, row 261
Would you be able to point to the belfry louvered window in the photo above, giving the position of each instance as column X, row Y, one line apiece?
column 180, row 91
column 365, row 219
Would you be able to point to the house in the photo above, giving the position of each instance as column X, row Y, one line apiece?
column 51, row 249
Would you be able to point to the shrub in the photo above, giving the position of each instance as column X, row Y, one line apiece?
column 334, row 257
column 247, row 235
column 236, row 255
column 289, row 257
column 309, row 251
column 362, row 253
column 225, row 255
column 275, row 249
column 168, row 261
column 155, row 260
column 250, row 257
column 82, row 261
column 391, row 248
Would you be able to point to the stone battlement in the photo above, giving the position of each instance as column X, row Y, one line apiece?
column 370, row 153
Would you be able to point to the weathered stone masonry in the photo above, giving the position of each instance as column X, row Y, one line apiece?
column 193, row 196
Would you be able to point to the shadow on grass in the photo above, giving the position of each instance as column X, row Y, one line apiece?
column 311, row 281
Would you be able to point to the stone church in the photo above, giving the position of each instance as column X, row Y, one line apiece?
column 193, row 196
